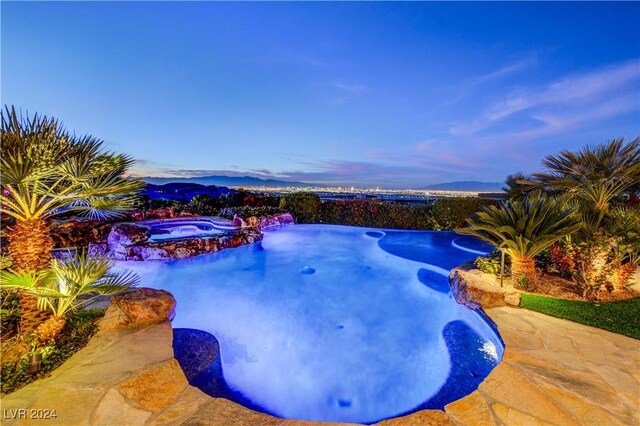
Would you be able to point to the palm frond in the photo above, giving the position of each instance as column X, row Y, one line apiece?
column 46, row 171
column 523, row 228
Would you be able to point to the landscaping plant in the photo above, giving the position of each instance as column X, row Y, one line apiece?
column 523, row 229
column 596, row 181
column 80, row 327
column 491, row 263
column 304, row 206
column 46, row 171
column 452, row 212
column 67, row 286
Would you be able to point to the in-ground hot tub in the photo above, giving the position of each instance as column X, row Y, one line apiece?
column 190, row 227
column 176, row 238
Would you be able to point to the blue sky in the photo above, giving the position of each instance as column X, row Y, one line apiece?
column 367, row 94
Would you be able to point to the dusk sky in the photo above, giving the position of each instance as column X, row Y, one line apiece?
column 395, row 95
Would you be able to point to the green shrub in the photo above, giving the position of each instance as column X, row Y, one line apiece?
column 161, row 203
column 490, row 264
column 80, row 327
column 9, row 313
column 445, row 214
column 452, row 213
column 204, row 205
column 377, row 214
column 304, row 206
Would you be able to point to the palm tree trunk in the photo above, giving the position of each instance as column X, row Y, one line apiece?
column 523, row 268
column 49, row 330
column 30, row 246
column 30, row 316
column 622, row 274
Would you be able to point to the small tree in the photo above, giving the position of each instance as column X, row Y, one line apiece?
column 523, row 229
column 592, row 177
column 516, row 186
column 596, row 180
column 67, row 286
column 304, row 206
column 46, row 171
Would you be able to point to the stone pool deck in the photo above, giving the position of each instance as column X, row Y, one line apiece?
column 554, row 372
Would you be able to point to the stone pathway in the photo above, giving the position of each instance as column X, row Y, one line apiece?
column 554, row 372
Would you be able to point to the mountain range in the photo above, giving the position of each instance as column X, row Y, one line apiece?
column 249, row 181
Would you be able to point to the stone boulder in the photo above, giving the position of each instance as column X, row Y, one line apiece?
column 269, row 221
column 140, row 307
column 252, row 222
column 420, row 418
column 237, row 221
column 285, row 218
column 155, row 389
column 136, row 214
column 473, row 288
column 160, row 213
column 98, row 249
column 276, row 220
column 124, row 235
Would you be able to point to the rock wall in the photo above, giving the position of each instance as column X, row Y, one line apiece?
column 78, row 232
column 131, row 242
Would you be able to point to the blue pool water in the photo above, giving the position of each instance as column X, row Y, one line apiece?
column 336, row 323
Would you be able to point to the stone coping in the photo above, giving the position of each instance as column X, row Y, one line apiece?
column 553, row 372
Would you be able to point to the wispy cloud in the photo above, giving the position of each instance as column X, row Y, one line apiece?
column 144, row 167
column 469, row 87
column 580, row 95
column 345, row 92
column 509, row 69
column 364, row 173
column 506, row 135
column 559, row 123
column 351, row 88
column 329, row 172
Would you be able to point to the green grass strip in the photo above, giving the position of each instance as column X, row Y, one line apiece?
column 618, row 317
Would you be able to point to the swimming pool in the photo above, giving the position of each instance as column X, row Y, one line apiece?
column 336, row 323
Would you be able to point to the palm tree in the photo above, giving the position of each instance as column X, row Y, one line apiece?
column 625, row 224
column 45, row 171
column 594, row 176
column 66, row 286
column 523, row 229
column 516, row 186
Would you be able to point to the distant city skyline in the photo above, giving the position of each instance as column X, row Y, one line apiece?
column 364, row 94
column 253, row 182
